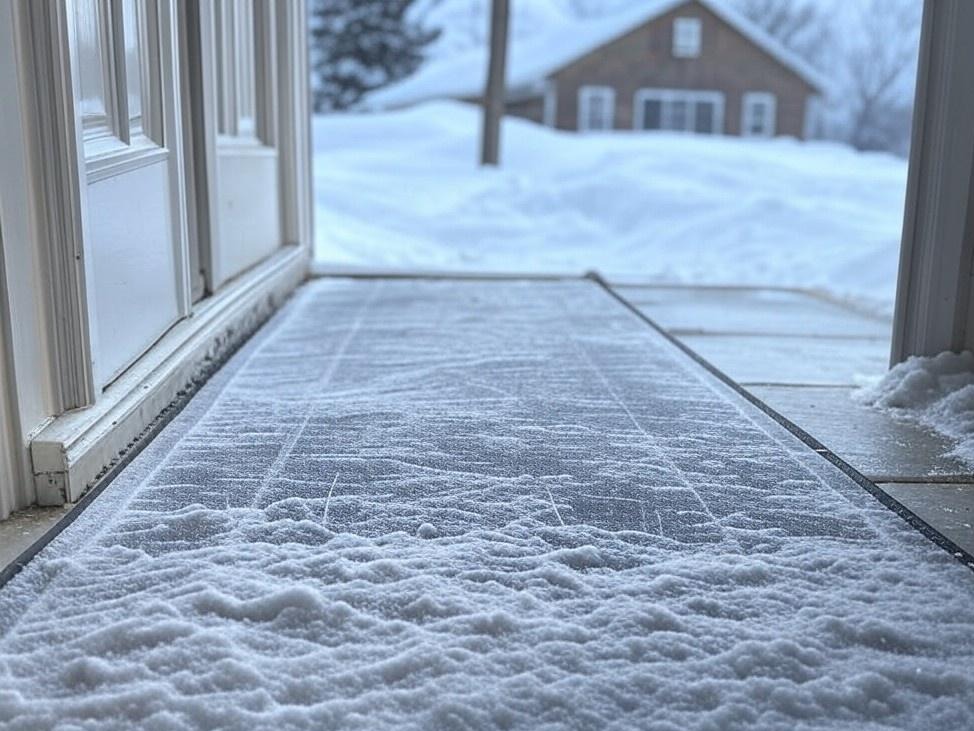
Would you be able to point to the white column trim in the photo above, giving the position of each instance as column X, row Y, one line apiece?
column 14, row 489
column 57, row 163
column 171, row 63
column 29, row 383
column 297, row 205
column 934, row 292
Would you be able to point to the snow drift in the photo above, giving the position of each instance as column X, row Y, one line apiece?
column 937, row 392
column 403, row 189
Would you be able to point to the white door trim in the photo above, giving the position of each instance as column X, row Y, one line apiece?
column 46, row 30
column 76, row 449
column 283, row 131
column 29, row 394
column 46, row 334
column 935, row 297
column 13, row 487
column 294, row 133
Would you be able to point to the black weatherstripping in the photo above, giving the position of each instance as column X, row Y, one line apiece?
column 134, row 448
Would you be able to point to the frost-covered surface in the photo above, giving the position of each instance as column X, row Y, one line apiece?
column 436, row 505
column 403, row 190
column 937, row 392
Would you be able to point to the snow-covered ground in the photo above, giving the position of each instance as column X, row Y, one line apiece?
column 443, row 506
column 937, row 392
column 403, row 189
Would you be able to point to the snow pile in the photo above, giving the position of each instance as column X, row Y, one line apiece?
column 440, row 505
column 937, row 392
column 403, row 190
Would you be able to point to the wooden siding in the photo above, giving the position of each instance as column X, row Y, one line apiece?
column 532, row 109
column 729, row 62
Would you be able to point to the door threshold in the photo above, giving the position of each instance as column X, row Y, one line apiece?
column 355, row 271
column 75, row 450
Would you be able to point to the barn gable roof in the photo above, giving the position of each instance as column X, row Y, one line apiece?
column 531, row 61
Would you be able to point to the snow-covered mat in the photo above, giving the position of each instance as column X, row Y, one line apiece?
column 479, row 505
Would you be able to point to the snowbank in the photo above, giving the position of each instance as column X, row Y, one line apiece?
column 937, row 392
column 403, row 189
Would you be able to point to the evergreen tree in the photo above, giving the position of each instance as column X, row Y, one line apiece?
column 361, row 45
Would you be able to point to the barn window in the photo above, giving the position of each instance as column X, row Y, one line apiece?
column 679, row 110
column 596, row 108
column 687, row 37
column 758, row 115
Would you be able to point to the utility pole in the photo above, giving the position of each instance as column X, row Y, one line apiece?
column 494, row 95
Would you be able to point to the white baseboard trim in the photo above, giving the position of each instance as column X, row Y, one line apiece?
column 76, row 448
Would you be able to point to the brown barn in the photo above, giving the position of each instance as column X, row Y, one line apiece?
column 679, row 65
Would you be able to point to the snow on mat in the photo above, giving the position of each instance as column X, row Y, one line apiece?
column 439, row 505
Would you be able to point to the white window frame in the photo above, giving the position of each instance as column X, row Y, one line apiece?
column 668, row 96
column 751, row 100
column 585, row 96
column 687, row 37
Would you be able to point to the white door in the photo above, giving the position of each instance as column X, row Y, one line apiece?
column 241, row 225
column 132, row 192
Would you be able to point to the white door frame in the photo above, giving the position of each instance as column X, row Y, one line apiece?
column 30, row 388
column 57, row 163
column 14, row 487
column 297, row 217
column 289, row 128
column 935, row 297
column 56, row 427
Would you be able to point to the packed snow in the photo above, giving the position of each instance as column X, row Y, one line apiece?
column 501, row 505
column 937, row 392
column 403, row 190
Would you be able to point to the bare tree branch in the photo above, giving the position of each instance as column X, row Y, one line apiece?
column 799, row 25
column 880, row 61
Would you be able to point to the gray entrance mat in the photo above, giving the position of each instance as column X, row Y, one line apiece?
column 426, row 505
